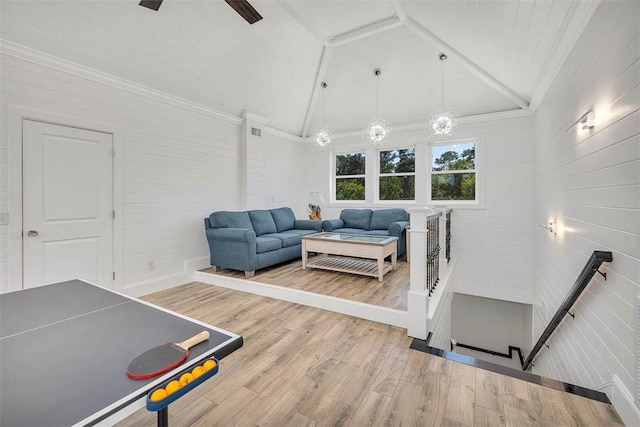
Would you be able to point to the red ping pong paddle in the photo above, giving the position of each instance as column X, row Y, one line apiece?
column 162, row 358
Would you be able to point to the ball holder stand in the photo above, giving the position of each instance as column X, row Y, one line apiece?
column 162, row 406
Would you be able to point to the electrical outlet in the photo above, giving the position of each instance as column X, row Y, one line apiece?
column 152, row 265
column 4, row 218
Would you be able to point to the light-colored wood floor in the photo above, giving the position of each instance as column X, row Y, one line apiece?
column 392, row 292
column 302, row 366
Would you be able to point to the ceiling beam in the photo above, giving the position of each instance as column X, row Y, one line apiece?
column 365, row 31
column 469, row 65
column 320, row 74
column 401, row 13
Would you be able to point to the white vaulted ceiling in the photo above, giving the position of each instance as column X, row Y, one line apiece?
column 502, row 54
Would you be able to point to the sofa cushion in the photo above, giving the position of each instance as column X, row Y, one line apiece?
column 382, row 218
column 356, row 218
column 267, row 244
column 262, row 222
column 284, row 219
column 288, row 239
column 227, row 219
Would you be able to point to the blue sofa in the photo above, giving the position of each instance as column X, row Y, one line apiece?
column 251, row 240
column 380, row 222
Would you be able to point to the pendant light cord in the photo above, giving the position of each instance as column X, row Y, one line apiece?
column 377, row 95
column 442, row 79
column 324, row 121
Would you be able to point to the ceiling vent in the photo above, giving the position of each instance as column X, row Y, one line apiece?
column 256, row 132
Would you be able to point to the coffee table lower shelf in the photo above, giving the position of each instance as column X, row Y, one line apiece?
column 349, row 265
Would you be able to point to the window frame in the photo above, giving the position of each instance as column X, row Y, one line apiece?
column 378, row 175
column 478, row 203
column 422, row 175
column 334, row 176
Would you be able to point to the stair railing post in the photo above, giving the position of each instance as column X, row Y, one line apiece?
column 418, row 295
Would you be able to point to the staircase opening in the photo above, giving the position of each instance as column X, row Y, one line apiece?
column 492, row 330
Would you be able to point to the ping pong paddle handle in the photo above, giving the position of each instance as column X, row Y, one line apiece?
column 196, row 339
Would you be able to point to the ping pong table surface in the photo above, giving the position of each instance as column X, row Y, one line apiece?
column 65, row 347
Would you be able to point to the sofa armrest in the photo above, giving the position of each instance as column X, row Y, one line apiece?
column 307, row 224
column 332, row 224
column 397, row 228
column 233, row 248
column 207, row 223
column 244, row 235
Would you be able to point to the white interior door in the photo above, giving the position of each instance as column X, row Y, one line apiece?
column 67, row 204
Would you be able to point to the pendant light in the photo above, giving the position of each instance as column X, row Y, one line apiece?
column 377, row 130
column 442, row 123
column 323, row 136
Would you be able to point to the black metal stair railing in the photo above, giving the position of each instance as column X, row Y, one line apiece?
column 447, row 236
column 433, row 251
column 596, row 259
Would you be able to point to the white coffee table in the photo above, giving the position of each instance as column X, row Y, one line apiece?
column 364, row 247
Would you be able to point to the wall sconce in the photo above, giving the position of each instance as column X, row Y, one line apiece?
column 552, row 227
column 587, row 121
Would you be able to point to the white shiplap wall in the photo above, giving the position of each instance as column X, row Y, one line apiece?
column 178, row 165
column 492, row 245
column 589, row 182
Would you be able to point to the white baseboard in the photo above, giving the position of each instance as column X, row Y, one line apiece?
column 622, row 399
column 388, row 316
column 191, row 266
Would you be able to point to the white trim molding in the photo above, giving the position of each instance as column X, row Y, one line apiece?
column 17, row 115
column 47, row 60
column 621, row 399
column 170, row 281
column 388, row 316
column 37, row 57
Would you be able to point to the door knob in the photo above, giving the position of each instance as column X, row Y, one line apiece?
column 32, row 233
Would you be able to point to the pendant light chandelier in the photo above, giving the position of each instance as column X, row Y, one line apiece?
column 377, row 131
column 323, row 136
column 442, row 123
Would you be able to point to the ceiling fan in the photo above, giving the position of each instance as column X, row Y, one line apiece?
column 241, row 6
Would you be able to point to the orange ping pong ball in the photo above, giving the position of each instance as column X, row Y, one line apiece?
column 209, row 365
column 172, row 386
column 186, row 378
column 197, row 371
column 158, row 394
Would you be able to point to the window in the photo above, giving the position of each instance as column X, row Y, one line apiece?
column 350, row 176
column 453, row 172
column 397, row 174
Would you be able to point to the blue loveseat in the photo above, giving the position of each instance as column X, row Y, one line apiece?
column 380, row 222
column 251, row 240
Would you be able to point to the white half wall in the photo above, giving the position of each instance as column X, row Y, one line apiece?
column 440, row 318
column 588, row 181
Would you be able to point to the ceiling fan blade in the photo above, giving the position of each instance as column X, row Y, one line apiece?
column 151, row 4
column 245, row 10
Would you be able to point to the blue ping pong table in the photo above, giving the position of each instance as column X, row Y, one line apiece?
column 65, row 347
